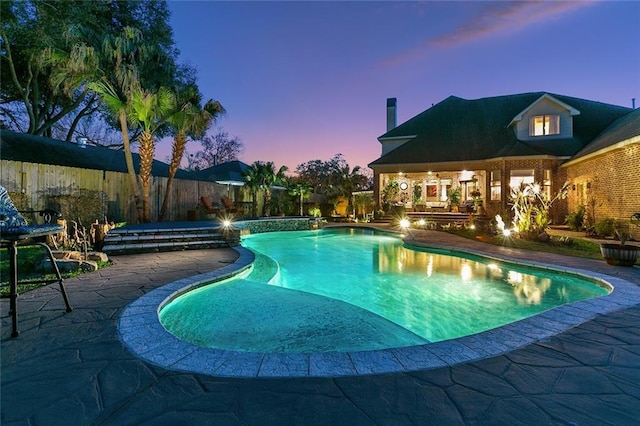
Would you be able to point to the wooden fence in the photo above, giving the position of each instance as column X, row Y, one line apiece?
column 40, row 185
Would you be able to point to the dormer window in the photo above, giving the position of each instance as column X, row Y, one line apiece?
column 542, row 125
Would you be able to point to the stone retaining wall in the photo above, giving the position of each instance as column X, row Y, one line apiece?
column 258, row 226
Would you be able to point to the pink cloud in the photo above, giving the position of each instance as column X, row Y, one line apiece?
column 492, row 19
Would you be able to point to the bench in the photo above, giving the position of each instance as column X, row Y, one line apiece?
column 14, row 231
column 209, row 208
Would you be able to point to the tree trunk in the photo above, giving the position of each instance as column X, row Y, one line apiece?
column 128, row 157
column 146, row 162
column 179, row 144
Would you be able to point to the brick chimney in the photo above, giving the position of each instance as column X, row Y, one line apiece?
column 392, row 114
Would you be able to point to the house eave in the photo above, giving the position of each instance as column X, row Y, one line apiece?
column 455, row 165
column 394, row 138
column 603, row 151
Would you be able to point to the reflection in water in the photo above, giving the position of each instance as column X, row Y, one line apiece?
column 528, row 289
column 436, row 296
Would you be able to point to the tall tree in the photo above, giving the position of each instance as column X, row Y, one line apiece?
column 332, row 176
column 115, row 89
column 148, row 111
column 189, row 118
column 301, row 190
column 347, row 181
column 52, row 49
column 216, row 149
column 43, row 64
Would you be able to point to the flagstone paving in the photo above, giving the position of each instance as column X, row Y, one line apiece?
column 72, row 369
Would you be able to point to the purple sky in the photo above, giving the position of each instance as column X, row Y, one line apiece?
column 306, row 80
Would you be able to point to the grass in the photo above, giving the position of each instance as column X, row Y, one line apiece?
column 27, row 257
column 559, row 245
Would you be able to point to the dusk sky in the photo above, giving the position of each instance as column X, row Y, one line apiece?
column 306, row 80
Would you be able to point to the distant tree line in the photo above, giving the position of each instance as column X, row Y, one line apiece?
column 333, row 179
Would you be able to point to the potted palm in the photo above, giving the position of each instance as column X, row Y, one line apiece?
column 455, row 195
column 620, row 254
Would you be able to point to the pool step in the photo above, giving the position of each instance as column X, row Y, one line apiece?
column 149, row 240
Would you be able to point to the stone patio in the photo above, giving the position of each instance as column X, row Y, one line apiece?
column 72, row 369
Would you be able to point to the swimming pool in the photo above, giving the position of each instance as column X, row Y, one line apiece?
column 345, row 289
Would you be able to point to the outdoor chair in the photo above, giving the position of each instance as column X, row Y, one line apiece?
column 209, row 208
column 467, row 207
column 14, row 231
column 228, row 205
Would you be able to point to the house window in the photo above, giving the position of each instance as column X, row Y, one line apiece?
column 520, row 177
column 496, row 185
column 546, row 183
column 542, row 125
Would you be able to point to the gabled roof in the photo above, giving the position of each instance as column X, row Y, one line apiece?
column 457, row 130
column 622, row 129
column 37, row 149
column 230, row 173
column 548, row 97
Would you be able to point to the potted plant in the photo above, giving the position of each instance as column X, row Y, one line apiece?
column 455, row 195
column 620, row 254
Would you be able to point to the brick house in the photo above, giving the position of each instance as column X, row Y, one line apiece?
column 486, row 146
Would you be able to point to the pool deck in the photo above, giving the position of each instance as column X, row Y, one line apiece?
column 72, row 369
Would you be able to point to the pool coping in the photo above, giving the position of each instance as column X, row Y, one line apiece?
column 140, row 330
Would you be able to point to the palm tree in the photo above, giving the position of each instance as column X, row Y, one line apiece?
column 269, row 178
column 348, row 181
column 252, row 183
column 301, row 189
column 115, row 88
column 116, row 102
column 188, row 119
column 262, row 177
column 149, row 112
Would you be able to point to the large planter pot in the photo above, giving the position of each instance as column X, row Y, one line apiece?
column 619, row 255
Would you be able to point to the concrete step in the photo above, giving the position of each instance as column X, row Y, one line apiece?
column 142, row 238
column 149, row 240
column 115, row 249
column 163, row 231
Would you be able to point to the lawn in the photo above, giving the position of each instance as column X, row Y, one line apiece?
column 559, row 245
column 27, row 257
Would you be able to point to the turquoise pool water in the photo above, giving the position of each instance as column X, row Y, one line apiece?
column 348, row 289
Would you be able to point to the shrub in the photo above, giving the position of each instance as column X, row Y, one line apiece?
column 575, row 219
column 315, row 212
column 80, row 205
column 605, row 227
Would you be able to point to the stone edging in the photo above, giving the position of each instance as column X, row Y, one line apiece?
column 142, row 333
